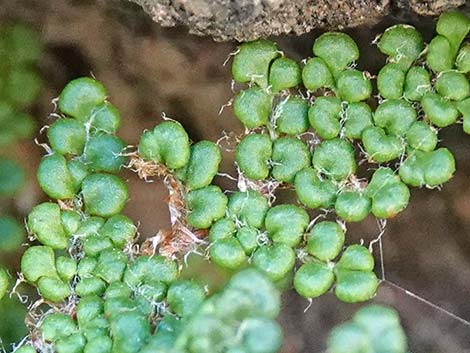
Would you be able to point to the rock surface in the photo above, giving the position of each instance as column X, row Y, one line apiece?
column 250, row 19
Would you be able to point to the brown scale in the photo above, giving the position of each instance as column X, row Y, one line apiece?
column 181, row 237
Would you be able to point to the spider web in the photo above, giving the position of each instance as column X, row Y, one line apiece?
column 378, row 242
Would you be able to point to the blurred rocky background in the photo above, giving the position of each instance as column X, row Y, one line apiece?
column 149, row 69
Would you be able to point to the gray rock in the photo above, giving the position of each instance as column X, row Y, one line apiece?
column 251, row 19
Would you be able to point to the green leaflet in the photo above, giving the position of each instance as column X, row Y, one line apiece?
column 316, row 74
column 286, row 224
column 37, row 262
column 328, row 153
column 438, row 110
column 252, row 107
column 313, row 279
column 417, row 83
column 291, row 116
column 80, row 96
column 104, row 194
column 55, row 178
column 227, row 253
column 248, row 207
column 167, row 143
column 253, row 155
column 389, row 194
column 452, row 85
column 325, row 240
column 428, row 168
column 324, row 116
column 391, row 81
column 395, row 116
column 251, row 63
column 381, row 147
column 284, row 73
column 289, row 156
column 352, row 206
column 353, row 86
column 314, row 192
column 356, row 281
column 421, row 136
column 274, row 261
column 67, row 136
column 358, row 117
column 104, row 153
column 373, row 328
column 202, row 166
column 45, row 223
column 206, row 206
column 338, row 50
